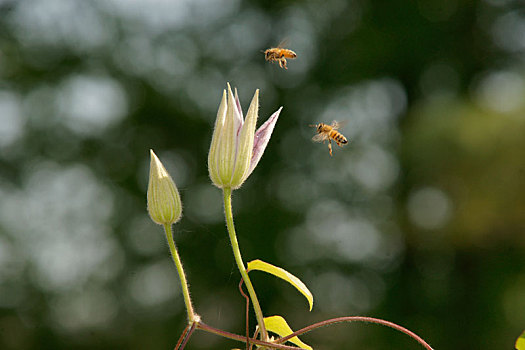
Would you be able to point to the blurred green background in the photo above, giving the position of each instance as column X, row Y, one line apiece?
column 419, row 220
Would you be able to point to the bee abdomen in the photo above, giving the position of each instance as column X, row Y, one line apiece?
column 338, row 137
column 290, row 54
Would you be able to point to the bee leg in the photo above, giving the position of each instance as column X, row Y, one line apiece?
column 330, row 147
column 282, row 63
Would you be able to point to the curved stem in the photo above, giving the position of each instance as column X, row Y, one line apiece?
column 357, row 319
column 192, row 316
column 247, row 316
column 233, row 336
column 240, row 264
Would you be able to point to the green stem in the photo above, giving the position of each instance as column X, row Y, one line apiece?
column 192, row 316
column 238, row 259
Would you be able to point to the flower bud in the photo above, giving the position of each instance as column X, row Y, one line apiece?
column 236, row 147
column 164, row 205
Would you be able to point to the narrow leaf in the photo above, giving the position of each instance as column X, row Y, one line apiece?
column 520, row 343
column 283, row 274
column 278, row 325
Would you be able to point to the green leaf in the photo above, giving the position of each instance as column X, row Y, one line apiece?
column 520, row 343
column 278, row 325
column 283, row 274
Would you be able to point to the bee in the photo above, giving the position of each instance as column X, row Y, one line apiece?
column 329, row 132
column 279, row 54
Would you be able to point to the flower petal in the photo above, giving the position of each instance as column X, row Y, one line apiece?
column 227, row 145
column 239, row 109
column 213, row 160
column 245, row 144
column 238, row 117
column 238, row 103
column 262, row 136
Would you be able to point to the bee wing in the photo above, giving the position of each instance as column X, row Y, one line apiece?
column 337, row 125
column 283, row 43
column 320, row 137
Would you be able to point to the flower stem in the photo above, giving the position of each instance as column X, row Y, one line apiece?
column 192, row 316
column 238, row 259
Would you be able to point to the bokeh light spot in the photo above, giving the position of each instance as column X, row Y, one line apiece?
column 205, row 204
column 91, row 103
column 93, row 308
column 340, row 294
column 501, row 91
column 507, row 31
column 429, row 208
column 11, row 118
column 375, row 168
column 63, row 228
column 153, row 284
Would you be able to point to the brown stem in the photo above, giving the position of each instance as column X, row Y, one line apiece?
column 357, row 319
column 247, row 315
column 182, row 337
column 241, row 338
column 190, row 332
column 255, row 335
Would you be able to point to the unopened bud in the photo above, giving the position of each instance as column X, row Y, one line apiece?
column 164, row 205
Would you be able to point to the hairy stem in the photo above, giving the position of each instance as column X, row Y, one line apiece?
column 240, row 264
column 192, row 316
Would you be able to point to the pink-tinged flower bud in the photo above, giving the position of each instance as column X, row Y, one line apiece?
column 236, row 147
column 164, row 205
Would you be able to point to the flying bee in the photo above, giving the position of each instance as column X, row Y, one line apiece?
column 329, row 132
column 279, row 54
